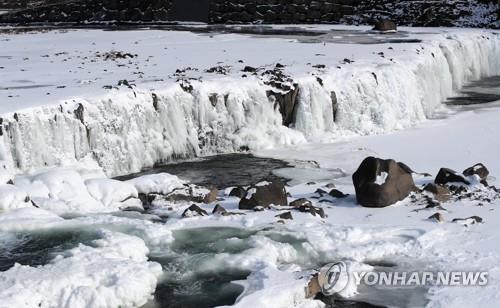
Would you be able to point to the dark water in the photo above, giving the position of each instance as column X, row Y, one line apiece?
column 221, row 170
column 194, row 275
column 483, row 91
column 40, row 248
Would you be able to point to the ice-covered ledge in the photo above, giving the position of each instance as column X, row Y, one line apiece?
column 386, row 87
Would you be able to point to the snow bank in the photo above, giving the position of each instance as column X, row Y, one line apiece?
column 71, row 190
column 113, row 273
column 129, row 129
column 12, row 197
column 161, row 183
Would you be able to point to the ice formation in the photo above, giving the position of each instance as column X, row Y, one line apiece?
column 126, row 131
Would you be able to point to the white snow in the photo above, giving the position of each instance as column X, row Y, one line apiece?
column 110, row 192
column 113, row 273
column 381, row 178
column 161, row 183
column 125, row 130
column 12, row 197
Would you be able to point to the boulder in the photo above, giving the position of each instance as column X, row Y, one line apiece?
column 219, row 209
column 193, row 193
column 286, row 215
column 239, row 192
column 479, row 170
column 264, row 195
column 438, row 217
column 385, row 26
column 441, row 193
column 309, row 208
column 194, row 211
column 470, row 220
column 380, row 183
column 337, row 193
column 447, row 175
column 313, row 287
column 300, row 202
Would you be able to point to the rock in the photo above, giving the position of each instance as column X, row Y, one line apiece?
column 441, row 193
column 194, row 211
column 193, row 193
column 147, row 199
column 211, row 196
column 385, row 25
column 337, row 193
column 472, row 219
column 380, row 183
column 309, row 208
column 218, row 209
column 313, row 288
column 300, row 202
column 320, row 192
column 239, row 192
column 249, row 69
column 258, row 209
column 330, row 185
column 286, row 215
column 437, row 217
column 447, row 175
column 264, row 194
column 479, row 170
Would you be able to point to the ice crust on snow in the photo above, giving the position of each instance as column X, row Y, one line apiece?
column 127, row 130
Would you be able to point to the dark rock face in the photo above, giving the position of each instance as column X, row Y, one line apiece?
column 385, row 25
column 479, row 170
column 447, row 175
column 264, row 195
column 397, row 185
column 286, row 102
column 415, row 13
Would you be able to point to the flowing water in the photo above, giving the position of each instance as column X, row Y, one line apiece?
column 221, row 170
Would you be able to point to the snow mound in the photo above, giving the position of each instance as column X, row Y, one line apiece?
column 111, row 192
column 113, row 273
column 12, row 197
column 161, row 183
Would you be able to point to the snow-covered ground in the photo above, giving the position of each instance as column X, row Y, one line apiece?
column 123, row 130
column 57, row 81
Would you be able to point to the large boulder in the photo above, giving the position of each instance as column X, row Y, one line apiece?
column 385, row 26
column 446, row 175
column 479, row 170
column 380, row 183
column 264, row 195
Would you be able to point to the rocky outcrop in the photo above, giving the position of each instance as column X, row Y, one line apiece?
column 474, row 13
column 380, row 183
